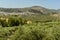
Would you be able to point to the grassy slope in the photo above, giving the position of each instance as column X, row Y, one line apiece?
column 40, row 31
column 36, row 31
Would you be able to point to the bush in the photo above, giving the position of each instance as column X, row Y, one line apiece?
column 3, row 23
column 12, row 21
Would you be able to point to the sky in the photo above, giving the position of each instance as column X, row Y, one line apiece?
column 52, row 4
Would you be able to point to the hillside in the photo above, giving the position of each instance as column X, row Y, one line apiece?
column 30, row 23
column 29, row 10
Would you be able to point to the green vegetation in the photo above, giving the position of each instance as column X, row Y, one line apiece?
column 43, row 28
column 11, row 21
column 40, row 31
column 44, row 24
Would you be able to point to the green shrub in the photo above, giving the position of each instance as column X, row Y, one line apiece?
column 12, row 21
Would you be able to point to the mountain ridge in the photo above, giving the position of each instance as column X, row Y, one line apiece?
column 33, row 9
